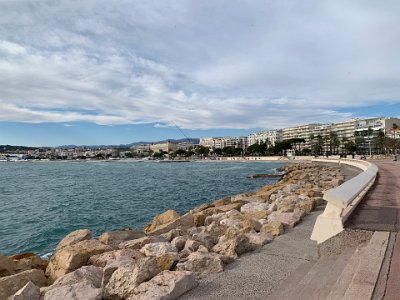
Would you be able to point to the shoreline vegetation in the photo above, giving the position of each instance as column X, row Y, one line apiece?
column 171, row 254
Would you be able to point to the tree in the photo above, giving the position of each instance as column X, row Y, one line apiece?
column 202, row 151
column 394, row 127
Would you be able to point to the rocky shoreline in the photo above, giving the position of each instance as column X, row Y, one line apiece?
column 169, row 256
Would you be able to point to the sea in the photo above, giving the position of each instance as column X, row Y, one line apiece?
column 41, row 202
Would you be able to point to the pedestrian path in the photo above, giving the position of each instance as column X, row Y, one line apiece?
column 380, row 208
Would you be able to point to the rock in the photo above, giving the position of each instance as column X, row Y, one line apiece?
column 162, row 219
column 203, row 249
column 273, row 227
column 256, row 210
column 28, row 261
column 216, row 230
column 167, row 285
column 114, row 238
column 179, row 242
column 125, row 279
column 289, row 219
column 110, row 268
column 237, row 224
column 90, row 274
column 11, row 284
column 205, row 239
column 192, row 245
column 139, row 243
column 158, row 249
column 232, row 248
column 167, row 261
column 170, row 235
column 306, row 205
column 75, row 237
column 7, row 266
column 72, row 257
column 200, row 208
column 222, row 201
column 251, row 223
column 226, row 208
column 184, row 223
column 272, row 207
column 103, row 259
column 83, row 290
column 199, row 218
column 195, row 230
column 258, row 240
column 215, row 218
column 227, row 250
column 28, row 292
column 202, row 264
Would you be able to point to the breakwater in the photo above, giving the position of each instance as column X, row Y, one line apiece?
column 175, row 250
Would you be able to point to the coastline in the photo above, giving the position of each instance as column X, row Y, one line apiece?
column 201, row 242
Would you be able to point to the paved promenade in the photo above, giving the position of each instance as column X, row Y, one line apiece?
column 380, row 209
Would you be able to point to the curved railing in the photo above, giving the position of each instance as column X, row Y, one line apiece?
column 343, row 199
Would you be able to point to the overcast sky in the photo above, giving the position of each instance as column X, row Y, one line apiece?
column 211, row 67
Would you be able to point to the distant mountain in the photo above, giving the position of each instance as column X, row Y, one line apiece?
column 191, row 140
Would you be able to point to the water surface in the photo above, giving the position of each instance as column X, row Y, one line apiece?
column 41, row 202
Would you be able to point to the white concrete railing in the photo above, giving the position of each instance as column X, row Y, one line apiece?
column 343, row 199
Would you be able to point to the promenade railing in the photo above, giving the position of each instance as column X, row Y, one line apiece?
column 342, row 200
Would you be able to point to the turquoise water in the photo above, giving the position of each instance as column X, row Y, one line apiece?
column 41, row 202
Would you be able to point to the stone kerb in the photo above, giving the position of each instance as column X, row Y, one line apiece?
column 342, row 200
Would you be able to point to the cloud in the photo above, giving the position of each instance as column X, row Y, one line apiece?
column 199, row 65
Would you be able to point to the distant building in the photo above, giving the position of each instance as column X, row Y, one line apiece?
column 269, row 137
column 166, row 147
column 141, row 149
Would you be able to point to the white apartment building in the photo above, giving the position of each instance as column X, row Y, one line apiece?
column 221, row 142
column 270, row 137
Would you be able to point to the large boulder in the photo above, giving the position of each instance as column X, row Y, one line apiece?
column 74, row 237
column 167, row 285
column 161, row 219
column 110, row 268
column 232, row 248
column 179, row 242
column 82, row 290
column 222, row 201
column 103, row 259
column 257, row 210
column 90, row 274
column 28, row 292
column 27, row 261
column 288, row 219
column 11, row 284
column 258, row 240
column 125, row 279
column 273, row 227
column 158, row 249
column 205, row 239
column 183, row 223
column 72, row 257
column 114, row 238
column 7, row 266
column 167, row 261
column 139, row 243
column 202, row 264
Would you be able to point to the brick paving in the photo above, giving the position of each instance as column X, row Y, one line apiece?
column 380, row 208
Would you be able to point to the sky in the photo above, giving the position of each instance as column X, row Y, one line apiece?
column 115, row 72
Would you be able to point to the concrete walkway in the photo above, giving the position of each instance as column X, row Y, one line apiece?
column 380, row 208
column 255, row 275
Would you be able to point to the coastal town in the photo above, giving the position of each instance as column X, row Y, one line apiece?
column 362, row 136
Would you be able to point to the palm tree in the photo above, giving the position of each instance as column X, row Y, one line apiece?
column 394, row 127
